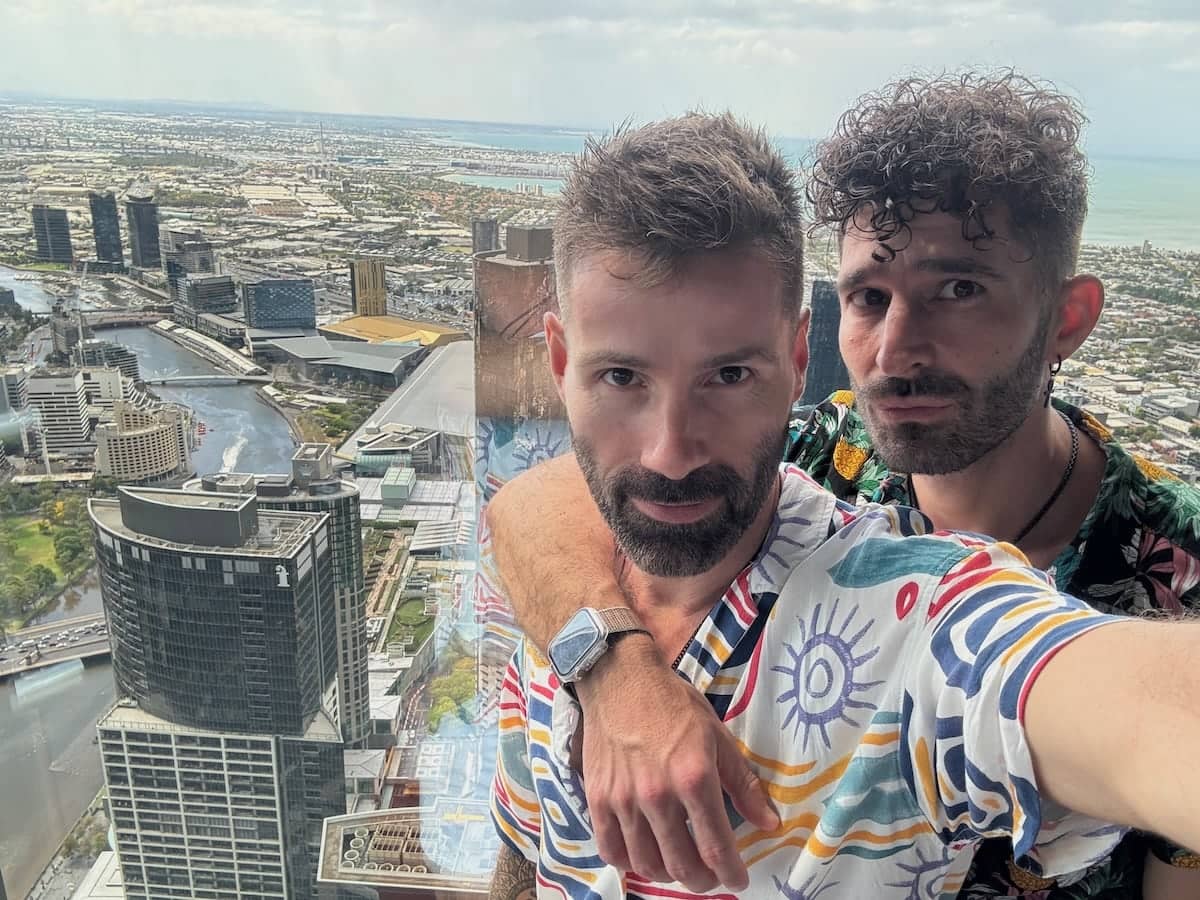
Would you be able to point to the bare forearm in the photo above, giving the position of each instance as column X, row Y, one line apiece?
column 515, row 877
column 552, row 547
column 1110, row 721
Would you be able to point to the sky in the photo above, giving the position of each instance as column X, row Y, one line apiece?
column 792, row 66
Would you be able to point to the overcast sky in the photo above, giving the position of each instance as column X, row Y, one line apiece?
column 791, row 65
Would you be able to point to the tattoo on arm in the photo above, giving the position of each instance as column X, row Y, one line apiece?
column 514, row 878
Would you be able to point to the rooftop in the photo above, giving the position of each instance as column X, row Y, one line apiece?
column 278, row 533
column 439, row 396
column 376, row 329
column 447, row 846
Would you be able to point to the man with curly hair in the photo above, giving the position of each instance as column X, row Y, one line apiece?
column 958, row 203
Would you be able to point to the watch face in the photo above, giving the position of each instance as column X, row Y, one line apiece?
column 575, row 644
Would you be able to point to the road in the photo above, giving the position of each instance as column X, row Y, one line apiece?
column 79, row 638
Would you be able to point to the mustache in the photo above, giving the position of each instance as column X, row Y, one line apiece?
column 927, row 384
column 698, row 485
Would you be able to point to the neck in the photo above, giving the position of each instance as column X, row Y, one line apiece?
column 999, row 493
column 669, row 603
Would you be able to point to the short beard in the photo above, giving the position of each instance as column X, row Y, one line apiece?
column 988, row 415
column 668, row 550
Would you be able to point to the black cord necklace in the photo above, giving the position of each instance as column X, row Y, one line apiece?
column 1051, row 500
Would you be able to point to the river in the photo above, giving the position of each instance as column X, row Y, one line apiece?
column 49, row 767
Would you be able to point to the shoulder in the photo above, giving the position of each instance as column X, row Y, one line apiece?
column 1148, row 494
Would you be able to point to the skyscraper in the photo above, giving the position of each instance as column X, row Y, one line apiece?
column 141, row 214
column 60, row 397
column 67, row 328
column 314, row 486
column 485, row 235
column 200, row 294
column 100, row 353
column 368, row 287
column 106, row 228
column 826, row 370
column 221, row 756
column 52, row 234
column 280, row 303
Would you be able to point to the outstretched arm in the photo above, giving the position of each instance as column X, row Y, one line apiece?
column 650, row 768
column 1109, row 723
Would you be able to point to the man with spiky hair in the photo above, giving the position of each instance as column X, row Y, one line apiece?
column 958, row 202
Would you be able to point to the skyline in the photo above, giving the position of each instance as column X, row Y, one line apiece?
column 174, row 106
column 1133, row 68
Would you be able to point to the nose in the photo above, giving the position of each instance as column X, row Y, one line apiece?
column 673, row 447
column 904, row 344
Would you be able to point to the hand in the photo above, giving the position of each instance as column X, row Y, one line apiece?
column 655, row 759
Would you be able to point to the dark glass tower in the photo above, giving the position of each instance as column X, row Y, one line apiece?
column 52, row 235
column 222, row 755
column 141, row 214
column 826, row 370
column 106, row 228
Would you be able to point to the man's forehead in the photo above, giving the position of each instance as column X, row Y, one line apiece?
column 932, row 242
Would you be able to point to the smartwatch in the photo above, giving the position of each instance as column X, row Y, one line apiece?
column 586, row 637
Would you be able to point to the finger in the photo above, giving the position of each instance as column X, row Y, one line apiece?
column 713, row 836
column 609, row 842
column 644, row 857
column 745, row 790
column 678, row 849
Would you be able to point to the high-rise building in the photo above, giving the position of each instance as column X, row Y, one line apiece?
column 314, row 486
column 200, row 294
column 14, row 388
column 141, row 215
column 826, row 370
column 108, row 354
column 368, row 287
column 61, row 400
column 144, row 444
column 105, row 388
column 106, row 227
column 52, row 234
column 280, row 303
column 514, row 288
column 222, row 756
column 485, row 235
column 65, row 328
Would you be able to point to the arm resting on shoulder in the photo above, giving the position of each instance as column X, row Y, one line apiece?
column 652, row 767
column 552, row 547
column 1111, row 721
column 515, row 877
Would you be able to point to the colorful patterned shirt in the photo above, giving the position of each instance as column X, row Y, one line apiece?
column 876, row 675
column 1138, row 550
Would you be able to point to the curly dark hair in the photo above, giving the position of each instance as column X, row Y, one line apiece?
column 967, row 144
column 672, row 189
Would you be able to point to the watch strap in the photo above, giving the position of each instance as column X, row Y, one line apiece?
column 620, row 619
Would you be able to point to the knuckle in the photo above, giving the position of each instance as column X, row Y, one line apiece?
column 653, row 796
column 692, row 781
column 714, row 856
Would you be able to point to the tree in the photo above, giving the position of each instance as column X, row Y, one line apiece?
column 68, row 547
column 42, row 578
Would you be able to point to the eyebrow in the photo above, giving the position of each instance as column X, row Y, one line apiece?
column 628, row 361
column 946, row 265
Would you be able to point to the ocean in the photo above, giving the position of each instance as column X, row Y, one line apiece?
column 1132, row 199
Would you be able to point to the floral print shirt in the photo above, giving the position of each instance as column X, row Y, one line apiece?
column 1137, row 552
